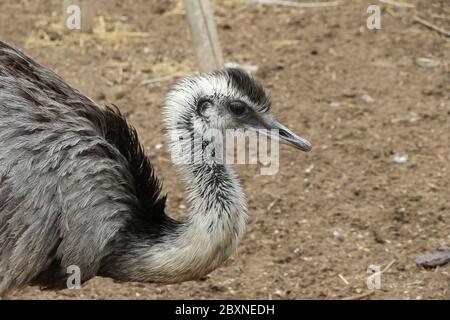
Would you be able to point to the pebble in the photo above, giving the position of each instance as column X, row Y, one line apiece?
column 427, row 62
column 279, row 293
column 309, row 169
column 335, row 104
column 337, row 232
column 367, row 99
column 400, row 159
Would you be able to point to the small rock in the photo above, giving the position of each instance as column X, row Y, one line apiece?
column 413, row 117
column 337, row 232
column 216, row 288
column 367, row 99
column 400, row 214
column 334, row 104
column 349, row 93
column 309, row 169
column 54, row 36
column 431, row 260
column 378, row 237
column 400, row 159
column 279, row 293
column 427, row 62
column 120, row 94
column 162, row 7
column 275, row 66
column 306, row 182
column 226, row 26
column 158, row 146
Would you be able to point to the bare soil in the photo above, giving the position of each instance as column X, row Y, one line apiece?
column 365, row 98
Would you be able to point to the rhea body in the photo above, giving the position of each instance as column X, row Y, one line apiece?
column 76, row 187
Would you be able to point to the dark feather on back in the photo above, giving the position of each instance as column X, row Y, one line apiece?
column 73, row 177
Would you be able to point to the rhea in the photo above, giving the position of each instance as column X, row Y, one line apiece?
column 76, row 188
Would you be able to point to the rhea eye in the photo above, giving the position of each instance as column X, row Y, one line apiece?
column 237, row 108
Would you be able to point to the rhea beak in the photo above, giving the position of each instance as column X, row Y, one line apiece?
column 286, row 136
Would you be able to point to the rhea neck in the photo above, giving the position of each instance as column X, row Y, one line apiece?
column 217, row 214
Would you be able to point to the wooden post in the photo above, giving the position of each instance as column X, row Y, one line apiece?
column 86, row 13
column 204, row 35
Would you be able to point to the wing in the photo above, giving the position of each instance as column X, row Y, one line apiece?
column 72, row 175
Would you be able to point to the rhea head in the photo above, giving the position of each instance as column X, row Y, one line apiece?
column 223, row 100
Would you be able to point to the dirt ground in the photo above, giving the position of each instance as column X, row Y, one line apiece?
column 375, row 104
